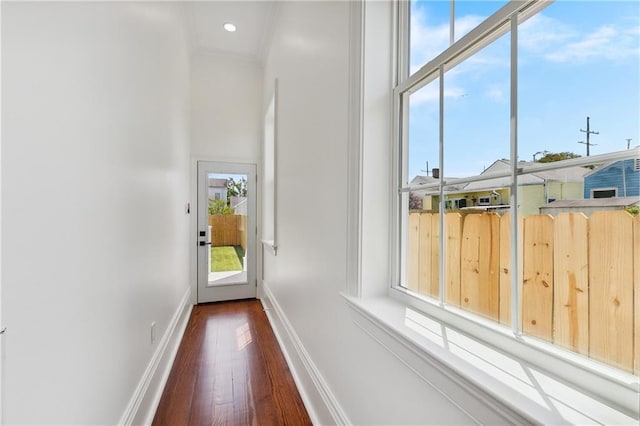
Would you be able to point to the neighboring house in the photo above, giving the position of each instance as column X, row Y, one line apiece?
column 429, row 196
column 617, row 179
column 217, row 189
column 239, row 205
column 589, row 206
column 534, row 190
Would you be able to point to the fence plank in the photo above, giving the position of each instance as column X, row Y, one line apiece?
column 505, row 266
column 413, row 254
column 537, row 289
column 224, row 230
column 453, row 232
column 479, row 263
column 242, row 231
column 434, row 289
column 611, row 288
column 571, row 282
column 505, row 269
column 425, row 254
column 636, row 292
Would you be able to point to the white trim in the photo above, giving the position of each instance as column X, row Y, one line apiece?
column 617, row 389
column 453, row 386
column 357, row 22
column 146, row 397
column 320, row 402
column 473, row 374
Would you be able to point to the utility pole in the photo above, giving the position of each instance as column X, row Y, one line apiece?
column 588, row 132
column 628, row 143
column 427, row 169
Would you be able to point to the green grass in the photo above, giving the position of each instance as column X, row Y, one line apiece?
column 227, row 258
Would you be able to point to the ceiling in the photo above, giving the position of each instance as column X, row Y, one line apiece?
column 253, row 20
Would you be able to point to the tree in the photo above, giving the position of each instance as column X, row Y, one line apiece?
column 236, row 189
column 550, row 157
column 415, row 202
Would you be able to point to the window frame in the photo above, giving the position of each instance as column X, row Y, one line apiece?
column 604, row 189
column 618, row 388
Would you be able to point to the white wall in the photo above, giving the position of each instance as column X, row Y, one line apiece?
column 95, row 178
column 226, row 108
column 309, row 56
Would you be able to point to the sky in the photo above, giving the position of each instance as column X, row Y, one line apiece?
column 575, row 59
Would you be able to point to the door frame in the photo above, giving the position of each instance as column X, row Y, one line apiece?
column 226, row 291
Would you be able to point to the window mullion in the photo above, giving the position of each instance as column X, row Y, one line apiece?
column 441, row 260
column 515, row 296
column 452, row 22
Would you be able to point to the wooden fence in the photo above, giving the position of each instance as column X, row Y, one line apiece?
column 579, row 277
column 228, row 230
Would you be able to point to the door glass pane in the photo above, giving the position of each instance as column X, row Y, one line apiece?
column 227, row 228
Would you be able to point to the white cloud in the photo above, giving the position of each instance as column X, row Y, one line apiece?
column 556, row 41
column 427, row 41
column 541, row 32
column 496, row 94
column 606, row 42
column 430, row 39
column 466, row 23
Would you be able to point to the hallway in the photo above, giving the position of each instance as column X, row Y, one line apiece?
column 229, row 370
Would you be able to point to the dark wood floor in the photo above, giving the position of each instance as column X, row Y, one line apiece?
column 229, row 370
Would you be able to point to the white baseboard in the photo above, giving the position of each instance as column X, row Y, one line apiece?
column 144, row 402
column 320, row 402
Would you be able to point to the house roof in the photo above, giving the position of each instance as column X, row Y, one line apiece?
column 596, row 202
column 606, row 166
column 574, row 174
column 420, row 180
column 217, row 183
column 423, row 180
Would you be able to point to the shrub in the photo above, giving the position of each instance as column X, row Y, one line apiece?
column 219, row 207
column 633, row 210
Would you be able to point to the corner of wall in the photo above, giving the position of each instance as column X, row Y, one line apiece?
column 145, row 399
column 320, row 402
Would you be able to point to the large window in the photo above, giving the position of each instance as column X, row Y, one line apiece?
column 511, row 118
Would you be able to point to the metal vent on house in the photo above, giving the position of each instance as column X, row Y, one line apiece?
column 636, row 165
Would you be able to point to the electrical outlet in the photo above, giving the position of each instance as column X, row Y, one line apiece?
column 153, row 332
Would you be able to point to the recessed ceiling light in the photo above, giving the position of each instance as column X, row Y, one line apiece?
column 229, row 27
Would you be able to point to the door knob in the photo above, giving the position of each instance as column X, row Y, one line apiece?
column 202, row 243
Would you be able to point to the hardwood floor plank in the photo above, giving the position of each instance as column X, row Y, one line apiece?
column 229, row 370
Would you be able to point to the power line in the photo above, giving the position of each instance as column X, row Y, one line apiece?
column 588, row 132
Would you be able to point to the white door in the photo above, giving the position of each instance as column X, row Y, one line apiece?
column 226, row 231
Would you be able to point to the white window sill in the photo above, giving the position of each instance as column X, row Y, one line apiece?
column 518, row 391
